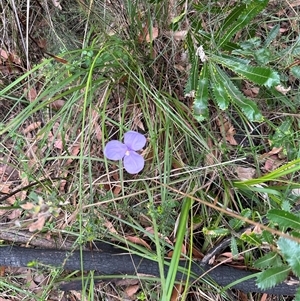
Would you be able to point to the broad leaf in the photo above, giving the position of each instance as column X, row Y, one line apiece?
column 248, row 107
column 201, row 98
column 272, row 276
column 291, row 252
column 271, row 259
column 284, row 219
column 258, row 75
column 238, row 19
column 251, row 238
column 220, row 94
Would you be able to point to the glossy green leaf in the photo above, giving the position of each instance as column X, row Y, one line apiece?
column 247, row 106
column 272, row 276
column 284, row 219
column 238, row 19
column 291, row 252
column 200, row 108
column 258, row 75
column 219, row 92
column 271, row 259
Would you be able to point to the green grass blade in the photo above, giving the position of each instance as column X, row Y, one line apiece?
column 170, row 280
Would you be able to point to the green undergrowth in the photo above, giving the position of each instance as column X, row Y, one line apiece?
column 191, row 191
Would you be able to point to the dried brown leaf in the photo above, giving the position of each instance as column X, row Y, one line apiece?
column 138, row 241
column 131, row 290
column 57, row 104
column 38, row 224
column 31, row 127
column 245, row 173
column 27, row 206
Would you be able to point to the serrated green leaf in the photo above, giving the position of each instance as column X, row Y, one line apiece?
column 258, row 75
column 238, row 19
column 251, row 238
column 236, row 223
column 272, row 276
column 219, row 91
column 291, row 252
column 262, row 56
column 248, row 107
column 191, row 84
column 200, row 108
column 271, row 259
column 284, row 219
column 215, row 232
column 267, row 237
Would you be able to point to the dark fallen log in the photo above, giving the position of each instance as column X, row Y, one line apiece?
column 115, row 263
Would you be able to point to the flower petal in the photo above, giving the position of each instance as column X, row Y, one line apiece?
column 133, row 163
column 134, row 140
column 115, row 150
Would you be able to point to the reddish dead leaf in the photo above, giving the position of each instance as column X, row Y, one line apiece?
column 250, row 91
column 74, row 150
column 27, row 206
column 230, row 136
column 138, row 241
column 117, row 189
column 57, row 104
column 42, row 43
column 151, row 231
column 3, row 54
column 38, row 224
column 4, row 188
column 131, row 290
column 32, row 94
column 272, row 163
column 32, row 127
column 227, row 129
column 245, row 173
column 229, row 257
column 14, row 214
column 275, row 151
column 177, row 291
column 110, row 227
column 59, row 144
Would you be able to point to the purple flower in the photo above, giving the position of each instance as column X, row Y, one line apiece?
column 116, row 150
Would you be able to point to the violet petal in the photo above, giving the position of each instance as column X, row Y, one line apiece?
column 134, row 140
column 133, row 163
column 115, row 150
